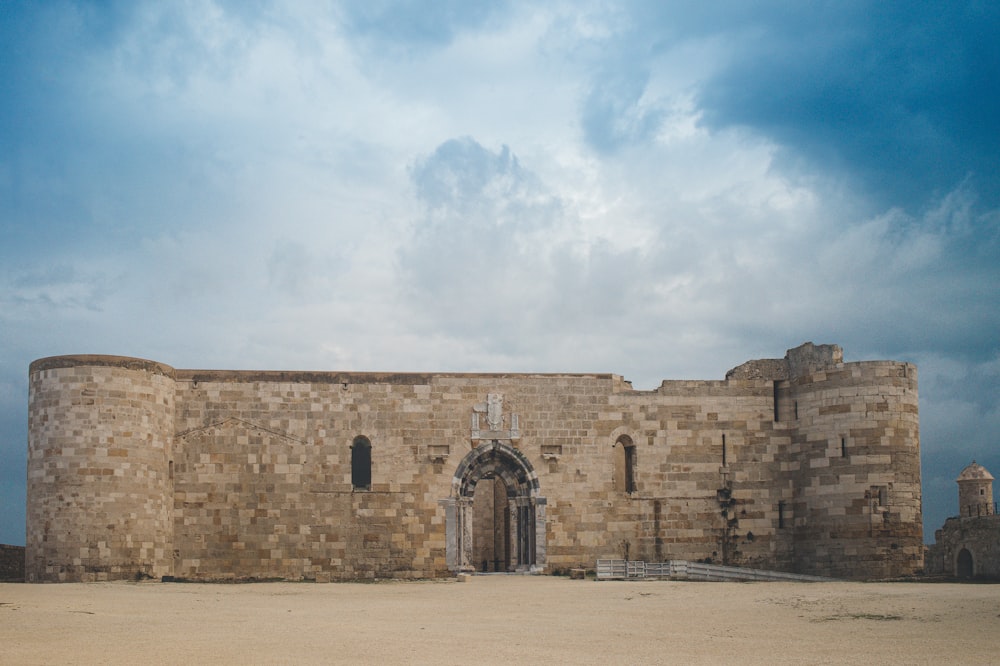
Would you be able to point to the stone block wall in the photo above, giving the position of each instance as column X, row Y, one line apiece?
column 975, row 540
column 857, row 473
column 265, row 491
column 139, row 469
column 99, row 493
column 705, row 466
column 11, row 564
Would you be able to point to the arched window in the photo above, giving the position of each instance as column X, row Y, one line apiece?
column 624, row 464
column 361, row 463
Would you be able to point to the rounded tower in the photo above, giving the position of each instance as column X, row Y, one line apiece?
column 856, row 438
column 100, row 498
column 975, row 492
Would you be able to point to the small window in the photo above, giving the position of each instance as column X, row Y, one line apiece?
column 781, row 515
column 777, row 402
column 361, row 463
column 879, row 497
column 624, row 464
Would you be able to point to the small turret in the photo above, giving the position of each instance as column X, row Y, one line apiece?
column 975, row 491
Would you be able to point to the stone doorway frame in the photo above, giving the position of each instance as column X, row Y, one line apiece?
column 526, row 507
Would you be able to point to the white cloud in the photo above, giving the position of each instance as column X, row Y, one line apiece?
column 263, row 187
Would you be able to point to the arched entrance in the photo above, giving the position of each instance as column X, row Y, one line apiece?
column 490, row 526
column 964, row 567
column 495, row 507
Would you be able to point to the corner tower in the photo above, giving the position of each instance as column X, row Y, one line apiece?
column 850, row 483
column 856, row 439
column 100, row 503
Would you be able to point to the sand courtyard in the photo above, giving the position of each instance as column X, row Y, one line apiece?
column 500, row 619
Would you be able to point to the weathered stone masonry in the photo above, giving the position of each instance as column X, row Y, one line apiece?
column 968, row 545
column 804, row 464
column 11, row 564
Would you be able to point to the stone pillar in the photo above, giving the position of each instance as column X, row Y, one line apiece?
column 540, row 554
column 467, row 563
column 452, row 531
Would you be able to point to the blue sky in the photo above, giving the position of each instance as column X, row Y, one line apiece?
column 660, row 190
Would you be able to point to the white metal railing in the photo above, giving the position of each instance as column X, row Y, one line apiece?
column 684, row 570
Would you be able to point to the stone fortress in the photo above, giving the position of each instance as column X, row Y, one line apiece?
column 968, row 545
column 804, row 464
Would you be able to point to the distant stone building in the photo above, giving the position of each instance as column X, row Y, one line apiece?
column 804, row 464
column 968, row 545
column 11, row 564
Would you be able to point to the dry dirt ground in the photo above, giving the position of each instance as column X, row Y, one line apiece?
column 500, row 619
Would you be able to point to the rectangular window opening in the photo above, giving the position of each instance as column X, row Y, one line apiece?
column 879, row 498
column 781, row 515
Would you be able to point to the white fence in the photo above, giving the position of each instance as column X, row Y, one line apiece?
column 684, row 570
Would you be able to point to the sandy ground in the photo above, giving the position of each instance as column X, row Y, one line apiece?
column 500, row 619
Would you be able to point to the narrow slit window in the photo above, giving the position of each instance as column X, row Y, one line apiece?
column 781, row 515
column 361, row 463
column 723, row 450
column 879, row 498
column 777, row 403
column 843, row 447
column 630, row 469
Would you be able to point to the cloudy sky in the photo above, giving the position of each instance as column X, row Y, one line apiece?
column 661, row 190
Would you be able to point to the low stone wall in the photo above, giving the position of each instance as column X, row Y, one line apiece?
column 11, row 564
column 966, row 548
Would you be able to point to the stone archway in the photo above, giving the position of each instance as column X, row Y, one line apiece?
column 491, row 543
column 964, row 566
column 496, row 463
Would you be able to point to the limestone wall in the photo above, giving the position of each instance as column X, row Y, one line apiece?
column 967, row 547
column 855, row 466
column 692, row 501
column 264, row 489
column 99, row 494
column 135, row 468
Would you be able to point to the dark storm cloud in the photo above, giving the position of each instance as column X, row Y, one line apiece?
column 83, row 162
column 902, row 99
column 897, row 99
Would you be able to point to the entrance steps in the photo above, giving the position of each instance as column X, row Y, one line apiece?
column 684, row 570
